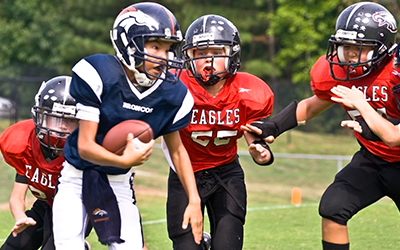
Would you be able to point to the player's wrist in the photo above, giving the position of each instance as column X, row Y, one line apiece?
column 266, row 146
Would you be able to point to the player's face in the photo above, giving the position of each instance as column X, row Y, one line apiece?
column 157, row 48
column 60, row 124
column 353, row 53
column 210, row 60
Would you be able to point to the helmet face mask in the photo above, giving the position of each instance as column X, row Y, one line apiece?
column 54, row 113
column 142, row 22
column 364, row 24
column 211, row 74
column 212, row 31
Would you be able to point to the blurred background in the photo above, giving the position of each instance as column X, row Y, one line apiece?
column 281, row 39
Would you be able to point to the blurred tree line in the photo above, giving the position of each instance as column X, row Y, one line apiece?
column 281, row 40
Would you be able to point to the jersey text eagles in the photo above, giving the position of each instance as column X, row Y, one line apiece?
column 220, row 117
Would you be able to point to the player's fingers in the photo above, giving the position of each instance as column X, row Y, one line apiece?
column 250, row 128
column 244, row 128
column 129, row 138
column 254, row 129
column 197, row 234
column 352, row 125
column 197, row 229
column 336, row 99
column 269, row 139
column 150, row 144
column 185, row 221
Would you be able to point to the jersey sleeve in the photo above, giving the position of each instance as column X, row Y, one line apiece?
column 86, row 88
column 13, row 143
column 183, row 104
column 257, row 96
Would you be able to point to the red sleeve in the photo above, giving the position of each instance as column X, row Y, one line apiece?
column 14, row 143
column 256, row 96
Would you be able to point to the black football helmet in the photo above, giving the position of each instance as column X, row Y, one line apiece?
column 212, row 31
column 362, row 24
column 137, row 24
column 54, row 113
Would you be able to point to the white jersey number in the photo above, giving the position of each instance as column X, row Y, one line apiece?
column 222, row 137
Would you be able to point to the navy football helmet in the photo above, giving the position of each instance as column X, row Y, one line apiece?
column 139, row 23
column 212, row 31
column 54, row 113
column 362, row 24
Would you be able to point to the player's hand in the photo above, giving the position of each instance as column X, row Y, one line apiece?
column 136, row 152
column 193, row 215
column 351, row 124
column 351, row 98
column 260, row 154
column 21, row 224
column 257, row 131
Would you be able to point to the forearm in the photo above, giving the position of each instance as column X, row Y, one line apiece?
column 310, row 108
column 91, row 151
column 383, row 128
column 185, row 174
column 17, row 201
column 17, row 209
column 95, row 153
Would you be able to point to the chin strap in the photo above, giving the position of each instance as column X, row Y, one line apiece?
column 141, row 78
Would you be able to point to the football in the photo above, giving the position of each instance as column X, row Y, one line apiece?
column 115, row 139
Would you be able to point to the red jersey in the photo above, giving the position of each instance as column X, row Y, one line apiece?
column 377, row 88
column 21, row 150
column 214, row 128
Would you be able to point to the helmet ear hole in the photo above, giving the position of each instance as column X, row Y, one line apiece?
column 340, row 54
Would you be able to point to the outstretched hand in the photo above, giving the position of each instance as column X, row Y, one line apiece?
column 21, row 225
column 257, row 131
column 259, row 153
column 354, row 125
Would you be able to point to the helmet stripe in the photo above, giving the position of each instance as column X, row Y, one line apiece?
column 352, row 12
column 128, row 9
column 205, row 23
column 171, row 18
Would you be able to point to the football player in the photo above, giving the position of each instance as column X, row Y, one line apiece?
column 224, row 99
column 34, row 148
column 136, row 83
column 360, row 55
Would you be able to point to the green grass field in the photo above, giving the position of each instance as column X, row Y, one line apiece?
column 272, row 222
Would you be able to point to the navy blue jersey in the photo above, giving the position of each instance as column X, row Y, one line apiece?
column 104, row 94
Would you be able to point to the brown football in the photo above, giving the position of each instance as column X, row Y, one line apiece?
column 115, row 139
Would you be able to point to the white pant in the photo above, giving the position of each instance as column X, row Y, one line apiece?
column 70, row 216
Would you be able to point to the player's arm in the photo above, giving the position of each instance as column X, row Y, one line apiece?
column 17, row 206
column 259, row 150
column 384, row 129
column 310, row 108
column 184, row 170
column 290, row 117
column 91, row 151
